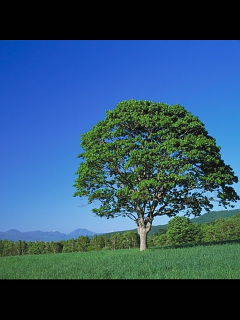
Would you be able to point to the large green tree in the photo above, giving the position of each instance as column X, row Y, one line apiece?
column 148, row 159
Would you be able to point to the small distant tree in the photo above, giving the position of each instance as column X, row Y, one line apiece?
column 130, row 239
column 97, row 243
column 148, row 159
column 116, row 241
column 82, row 243
column 182, row 230
column 55, row 247
column 21, row 247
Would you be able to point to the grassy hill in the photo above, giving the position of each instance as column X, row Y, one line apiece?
column 207, row 217
column 213, row 215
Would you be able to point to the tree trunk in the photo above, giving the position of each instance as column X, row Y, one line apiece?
column 143, row 227
column 143, row 231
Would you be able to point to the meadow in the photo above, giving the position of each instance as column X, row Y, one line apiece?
column 216, row 261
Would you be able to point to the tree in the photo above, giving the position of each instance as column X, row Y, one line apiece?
column 130, row 239
column 69, row 246
column 82, row 243
column 149, row 159
column 182, row 230
column 116, row 241
column 21, row 247
column 55, row 247
column 97, row 243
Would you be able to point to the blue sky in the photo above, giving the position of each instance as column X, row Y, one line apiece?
column 53, row 91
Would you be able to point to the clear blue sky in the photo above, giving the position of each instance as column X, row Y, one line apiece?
column 53, row 91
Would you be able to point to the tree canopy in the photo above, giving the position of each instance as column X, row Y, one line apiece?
column 148, row 159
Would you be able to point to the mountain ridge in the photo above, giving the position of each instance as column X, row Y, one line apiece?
column 37, row 235
column 15, row 235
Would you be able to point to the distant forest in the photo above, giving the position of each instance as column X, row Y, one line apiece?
column 214, row 226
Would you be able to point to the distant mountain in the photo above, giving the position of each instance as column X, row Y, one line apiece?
column 80, row 232
column 15, row 235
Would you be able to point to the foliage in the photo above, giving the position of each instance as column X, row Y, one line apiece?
column 182, row 230
column 147, row 159
column 222, row 229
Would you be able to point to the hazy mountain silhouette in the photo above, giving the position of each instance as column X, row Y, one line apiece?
column 15, row 235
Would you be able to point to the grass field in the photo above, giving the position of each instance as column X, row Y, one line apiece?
column 218, row 261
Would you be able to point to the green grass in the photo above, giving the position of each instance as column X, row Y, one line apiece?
column 218, row 261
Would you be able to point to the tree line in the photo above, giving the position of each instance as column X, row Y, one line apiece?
column 126, row 240
column 180, row 230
